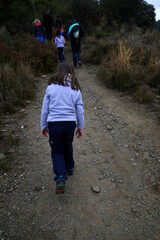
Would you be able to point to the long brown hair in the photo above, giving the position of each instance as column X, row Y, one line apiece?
column 63, row 71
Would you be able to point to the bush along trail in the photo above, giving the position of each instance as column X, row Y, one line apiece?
column 115, row 190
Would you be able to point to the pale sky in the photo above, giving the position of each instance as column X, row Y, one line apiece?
column 156, row 4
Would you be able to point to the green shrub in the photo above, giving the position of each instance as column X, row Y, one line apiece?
column 18, row 63
column 41, row 56
column 5, row 164
column 96, row 51
column 15, row 87
column 5, row 36
column 4, row 53
column 144, row 94
column 7, row 143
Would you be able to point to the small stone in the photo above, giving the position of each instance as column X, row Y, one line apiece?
column 134, row 210
column 38, row 188
column 120, row 181
column 11, row 150
column 95, row 188
column 84, row 153
column 11, row 190
column 146, row 155
column 44, row 76
column 101, row 177
column 109, row 127
column 113, row 180
column 22, row 110
column 135, row 164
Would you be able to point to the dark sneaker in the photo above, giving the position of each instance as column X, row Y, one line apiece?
column 80, row 64
column 60, row 186
column 70, row 172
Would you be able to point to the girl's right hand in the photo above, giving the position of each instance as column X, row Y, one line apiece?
column 44, row 132
column 79, row 133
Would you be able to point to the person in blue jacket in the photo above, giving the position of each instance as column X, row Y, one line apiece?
column 38, row 30
column 62, row 111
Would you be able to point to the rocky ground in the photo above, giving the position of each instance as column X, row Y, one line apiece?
column 115, row 190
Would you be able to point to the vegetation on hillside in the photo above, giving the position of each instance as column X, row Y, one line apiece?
column 126, row 63
column 137, row 12
column 119, row 39
column 129, row 63
column 21, row 58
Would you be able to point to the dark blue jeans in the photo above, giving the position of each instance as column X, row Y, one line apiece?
column 49, row 33
column 61, row 54
column 61, row 136
column 76, row 53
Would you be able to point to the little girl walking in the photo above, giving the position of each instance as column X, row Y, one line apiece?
column 62, row 112
column 60, row 41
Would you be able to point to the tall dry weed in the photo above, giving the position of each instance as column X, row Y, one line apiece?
column 119, row 68
column 15, row 87
column 131, row 66
column 91, row 39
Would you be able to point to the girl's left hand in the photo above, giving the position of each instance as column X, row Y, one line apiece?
column 44, row 132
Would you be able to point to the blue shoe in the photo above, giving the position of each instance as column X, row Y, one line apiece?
column 60, row 186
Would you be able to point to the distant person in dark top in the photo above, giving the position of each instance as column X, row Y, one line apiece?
column 38, row 30
column 74, row 31
column 48, row 25
column 58, row 22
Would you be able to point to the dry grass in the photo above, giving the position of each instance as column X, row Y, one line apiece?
column 15, row 86
column 144, row 94
column 91, row 39
column 95, row 51
column 8, row 142
column 119, row 68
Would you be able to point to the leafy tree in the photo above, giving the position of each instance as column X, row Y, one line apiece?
column 84, row 11
column 128, row 11
column 16, row 15
column 145, row 15
column 157, row 25
column 119, row 10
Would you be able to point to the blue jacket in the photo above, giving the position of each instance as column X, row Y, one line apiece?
column 39, row 31
column 62, row 103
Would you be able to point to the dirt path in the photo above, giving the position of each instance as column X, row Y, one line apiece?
column 119, row 156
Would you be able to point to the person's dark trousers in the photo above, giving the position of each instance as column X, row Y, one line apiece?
column 76, row 52
column 61, row 54
column 49, row 34
column 61, row 136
